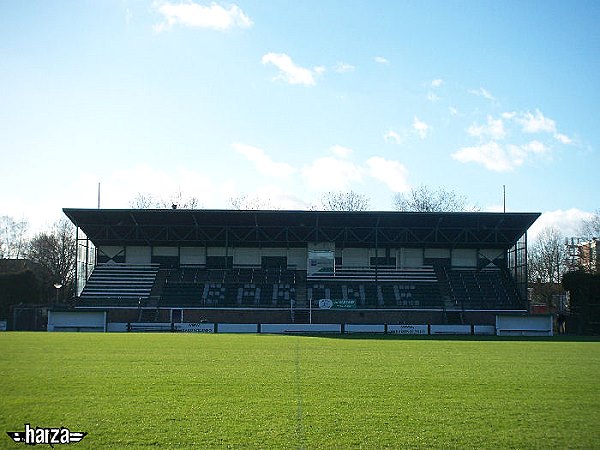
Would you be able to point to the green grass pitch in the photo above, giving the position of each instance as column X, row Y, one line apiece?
column 262, row 391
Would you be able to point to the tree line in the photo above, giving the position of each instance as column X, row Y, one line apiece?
column 52, row 251
column 419, row 199
column 549, row 259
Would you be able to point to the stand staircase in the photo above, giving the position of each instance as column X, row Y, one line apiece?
column 299, row 312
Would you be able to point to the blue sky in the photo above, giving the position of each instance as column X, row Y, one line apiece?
column 284, row 100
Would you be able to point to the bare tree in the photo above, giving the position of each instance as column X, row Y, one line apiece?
column 178, row 200
column 245, row 202
column 12, row 237
column 343, row 201
column 55, row 250
column 143, row 201
column 175, row 200
column 591, row 228
column 426, row 199
column 546, row 264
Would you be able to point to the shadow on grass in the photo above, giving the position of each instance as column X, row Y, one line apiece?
column 356, row 336
column 448, row 337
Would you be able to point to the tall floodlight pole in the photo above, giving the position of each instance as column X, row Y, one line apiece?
column 504, row 196
column 98, row 195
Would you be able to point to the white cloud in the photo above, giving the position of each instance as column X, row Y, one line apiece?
column 329, row 172
column 432, row 97
column 506, row 157
column 343, row 67
column 340, row 151
column 391, row 173
column 536, row 123
column 142, row 178
column 434, row 85
column 122, row 186
column 494, row 129
column 562, row 138
column 42, row 214
column 392, row 136
column 338, row 173
column 381, row 60
column 289, row 71
column 269, row 197
column 536, row 147
column 263, row 162
column 320, row 70
column 491, row 155
column 498, row 158
column 420, row 127
column 281, row 198
column 453, row 111
column 567, row 221
column 192, row 14
column 517, row 154
column 481, row 92
column 494, row 208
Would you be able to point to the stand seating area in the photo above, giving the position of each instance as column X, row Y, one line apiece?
column 426, row 287
column 382, row 275
column 119, row 285
column 378, row 288
column 485, row 289
column 381, row 295
column 241, row 287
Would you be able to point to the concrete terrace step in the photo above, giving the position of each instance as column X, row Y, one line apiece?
column 120, row 281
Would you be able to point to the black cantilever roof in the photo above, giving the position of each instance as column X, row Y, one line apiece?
column 245, row 228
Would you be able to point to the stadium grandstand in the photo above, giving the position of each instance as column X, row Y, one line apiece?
column 252, row 266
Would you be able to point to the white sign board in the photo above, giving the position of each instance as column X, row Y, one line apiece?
column 238, row 328
column 524, row 325
column 407, row 329
column 320, row 262
column 355, row 328
column 74, row 320
column 194, row 327
column 299, row 328
column 450, row 329
column 484, row 329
